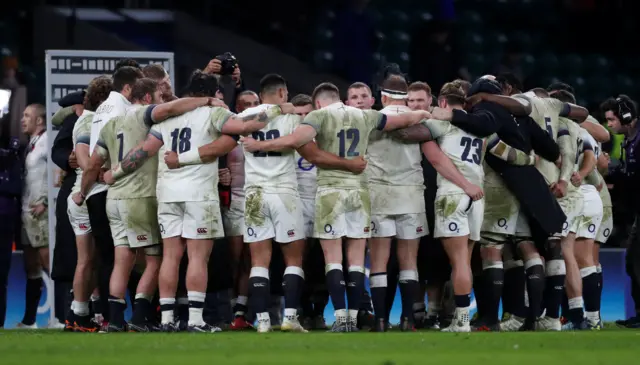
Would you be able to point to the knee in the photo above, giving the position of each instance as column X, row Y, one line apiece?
column 554, row 250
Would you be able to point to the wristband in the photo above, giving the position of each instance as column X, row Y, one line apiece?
column 117, row 172
column 191, row 157
column 532, row 159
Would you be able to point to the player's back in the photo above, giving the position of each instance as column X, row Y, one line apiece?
column 307, row 175
column 121, row 135
column 235, row 163
column 181, row 134
column 271, row 171
column 391, row 162
column 343, row 131
column 465, row 150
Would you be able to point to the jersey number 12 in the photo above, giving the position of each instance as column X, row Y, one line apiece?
column 353, row 135
column 181, row 140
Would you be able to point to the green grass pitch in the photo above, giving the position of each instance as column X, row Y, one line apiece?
column 46, row 347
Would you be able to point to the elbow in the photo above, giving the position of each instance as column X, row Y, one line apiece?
column 528, row 109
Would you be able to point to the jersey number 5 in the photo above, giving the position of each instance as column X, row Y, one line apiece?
column 353, row 135
column 468, row 143
column 261, row 136
column 181, row 140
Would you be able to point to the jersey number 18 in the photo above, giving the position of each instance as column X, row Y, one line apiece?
column 181, row 140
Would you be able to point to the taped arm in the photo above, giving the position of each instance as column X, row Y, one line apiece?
column 480, row 122
column 511, row 155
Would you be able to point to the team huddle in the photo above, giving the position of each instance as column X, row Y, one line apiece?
column 317, row 171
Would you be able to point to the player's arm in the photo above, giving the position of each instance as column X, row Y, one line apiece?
column 511, row 155
column 416, row 133
column 595, row 179
column 204, row 154
column 325, row 160
column 302, row 135
column 542, row 143
column 158, row 113
column 480, row 122
column 520, row 106
column 603, row 164
column 392, row 122
column 89, row 176
column 82, row 151
column 596, row 130
column 229, row 123
column 588, row 164
column 443, row 165
column 568, row 151
column 137, row 156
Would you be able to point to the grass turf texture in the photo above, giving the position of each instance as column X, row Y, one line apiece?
column 610, row 346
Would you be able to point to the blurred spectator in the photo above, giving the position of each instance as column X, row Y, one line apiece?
column 355, row 42
column 511, row 61
column 18, row 101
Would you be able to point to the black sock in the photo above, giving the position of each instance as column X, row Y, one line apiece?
column 117, row 307
column 390, row 293
column 292, row 284
column 590, row 292
column 365, row 303
column 409, row 287
column 462, row 301
column 141, row 310
column 183, row 309
column 259, row 290
column 320, row 300
column 535, row 288
column 514, row 283
column 600, row 286
column 239, row 309
column 305, row 304
column 564, row 306
column 96, row 305
column 553, row 292
column 493, row 284
column 356, row 286
column 32, row 300
column 335, row 284
column 378, row 283
column 479, row 291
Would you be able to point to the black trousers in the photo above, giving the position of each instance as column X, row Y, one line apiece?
column 97, row 206
column 633, row 262
column 7, row 234
column 65, row 256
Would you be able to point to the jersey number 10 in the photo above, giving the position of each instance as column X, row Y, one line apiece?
column 181, row 140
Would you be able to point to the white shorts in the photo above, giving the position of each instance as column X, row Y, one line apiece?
column 606, row 225
column 78, row 217
column 342, row 213
column 501, row 211
column 233, row 218
column 134, row 222
column 191, row 220
column 457, row 215
column 571, row 205
column 36, row 229
column 308, row 213
column 591, row 216
column 402, row 226
column 273, row 215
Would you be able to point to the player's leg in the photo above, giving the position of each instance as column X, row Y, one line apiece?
column 259, row 286
column 603, row 235
column 240, row 266
column 513, row 303
column 33, row 291
column 170, row 219
column 492, row 279
column 534, row 269
column 573, row 279
column 382, row 229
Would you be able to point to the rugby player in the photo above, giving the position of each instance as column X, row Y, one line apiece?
column 157, row 73
column 419, row 96
column 191, row 215
column 131, row 202
column 359, row 96
column 342, row 199
column 84, row 278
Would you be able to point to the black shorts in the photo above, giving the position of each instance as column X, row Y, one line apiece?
column 433, row 262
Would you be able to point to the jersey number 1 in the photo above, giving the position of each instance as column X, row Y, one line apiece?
column 352, row 134
column 181, row 140
column 120, row 137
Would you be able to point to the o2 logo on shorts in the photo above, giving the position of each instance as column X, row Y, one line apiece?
column 142, row 237
column 305, row 165
column 251, row 232
column 565, row 225
column 162, row 229
column 453, row 227
column 374, row 229
column 329, row 229
column 502, row 223
column 606, row 232
column 201, row 230
column 592, row 228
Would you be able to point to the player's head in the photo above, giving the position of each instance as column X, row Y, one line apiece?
column 125, row 78
column 97, row 92
column 359, row 96
column 146, row 91
column 564, row 96
column 202, row 84
column 419, row 96
column 464, row 84
column 33, row 119
column 273, row 89
column 156, row 72
column 557, row 86
column 539, row 92
column 510, row 83
column 621, row 114
column 245, row 100
column 325, row 94
column 394, row 90
column 126, row 62
column 452, row 96
column 302, row 104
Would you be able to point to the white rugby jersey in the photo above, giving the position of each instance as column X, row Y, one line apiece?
column 36, row 189
column 182, row 134
column 465, row 150
column 115, row 106
column 273, row 172
column 235, row 163
column 81, row 135
column 307, row 174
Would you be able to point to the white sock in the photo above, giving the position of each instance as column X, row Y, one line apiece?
column 341, row 313
column 264, row 317
column 290, row 312
column 241, row 300
column 592, row 316
column 462, row 315
column 167, row 315
column 576, row 302
column 196, row 305
column 80, row 308
column 353, row 314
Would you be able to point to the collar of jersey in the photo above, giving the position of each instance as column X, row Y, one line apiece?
column 115, row 94
column 86, row 112
column 401, row 108
column 336, row 105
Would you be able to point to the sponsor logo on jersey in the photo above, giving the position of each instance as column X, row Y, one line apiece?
column 419, row 229
column 83, row 226
column 201, row 231
column 142, row 237
column 291, row 233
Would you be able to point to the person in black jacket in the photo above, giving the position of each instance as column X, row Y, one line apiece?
column 65, row 254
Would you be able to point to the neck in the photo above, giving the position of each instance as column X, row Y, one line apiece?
column 38, row 131
column 631, row 130
column 395, row 102
column 270, row 100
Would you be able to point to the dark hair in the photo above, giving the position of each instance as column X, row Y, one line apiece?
column 359, row 85
column 611, row 104
column 557, row 86
column 453, row 93
column 420, row 86
column 325, row 88
column 509, row 79
column 154, row 71
column 142, row 87
column 565, row 96
column 126, row 62
column 272, row 82
column 97, row 92
column 395, row 83
column 126, row 75
column 301, row 100
column 202, row 84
